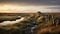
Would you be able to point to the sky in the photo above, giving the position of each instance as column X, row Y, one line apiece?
column 29, row 6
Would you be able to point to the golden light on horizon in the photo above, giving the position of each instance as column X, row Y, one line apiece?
column 11, row 8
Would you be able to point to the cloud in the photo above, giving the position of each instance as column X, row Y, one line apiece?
column 34, row 2
column 28, row 9
column 30, row 5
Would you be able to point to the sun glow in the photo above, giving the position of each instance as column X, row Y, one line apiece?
column 17, row 8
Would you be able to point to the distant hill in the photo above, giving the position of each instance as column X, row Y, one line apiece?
column 23, row 14
column 14, row 14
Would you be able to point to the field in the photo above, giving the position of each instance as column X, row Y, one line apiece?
column 32, row 23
